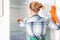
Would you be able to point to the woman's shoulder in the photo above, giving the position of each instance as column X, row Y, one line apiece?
column 34, row 18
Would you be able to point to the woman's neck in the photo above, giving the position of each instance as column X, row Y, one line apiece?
column 34, row 13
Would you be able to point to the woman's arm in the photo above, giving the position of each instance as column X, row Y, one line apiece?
column 53, row 25
column 21, row 23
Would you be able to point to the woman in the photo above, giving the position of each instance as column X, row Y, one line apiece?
column 36, row 25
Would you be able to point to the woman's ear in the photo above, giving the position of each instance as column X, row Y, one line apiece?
column 30, row 10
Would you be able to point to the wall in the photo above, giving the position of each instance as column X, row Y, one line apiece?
column 0, row 7
column 15, row 13
column 57, row 32
column 4, row 22
column 15, row 30
column 18, row 9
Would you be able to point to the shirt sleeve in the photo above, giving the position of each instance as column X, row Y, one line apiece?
column 22, row 24
column 52, row 25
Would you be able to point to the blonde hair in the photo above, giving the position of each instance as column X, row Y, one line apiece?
column 35, row 6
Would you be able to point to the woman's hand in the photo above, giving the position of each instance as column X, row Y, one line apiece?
column 19, row 20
